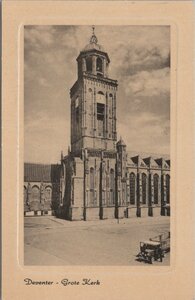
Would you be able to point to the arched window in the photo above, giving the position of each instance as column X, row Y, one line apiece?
column 89, row 64
column 168, row 187
column 100, row 114
column 92, row 186
column 48, row 193
column 35, row 193
column 100, row 97
column 112, row 187
column 144, row 188
column 156, row 189
column 99, row 65
column 132, row 188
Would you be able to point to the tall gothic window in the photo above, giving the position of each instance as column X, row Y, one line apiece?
column 35, row 193
column 48, row 193
column 100, row 119
column 112, row 186
column 156, row 184
column 168, row 187
column 144, row 188
column 92, row 186
column 132, row 188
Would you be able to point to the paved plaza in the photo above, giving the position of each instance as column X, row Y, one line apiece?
column 50, row 241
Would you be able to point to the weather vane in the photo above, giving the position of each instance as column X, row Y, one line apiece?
column 93, row 37
column 93, row 28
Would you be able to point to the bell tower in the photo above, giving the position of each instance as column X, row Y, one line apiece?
column 93, row 101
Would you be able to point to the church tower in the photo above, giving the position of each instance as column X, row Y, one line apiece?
column 100, row 180
column 93, row 101
column 90, row 191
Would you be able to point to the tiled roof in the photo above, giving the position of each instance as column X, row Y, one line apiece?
column 41, row 172
column 147, row 154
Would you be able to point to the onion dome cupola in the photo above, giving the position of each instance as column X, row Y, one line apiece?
column 93, row 59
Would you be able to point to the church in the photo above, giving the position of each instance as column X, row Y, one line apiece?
column 98, row 178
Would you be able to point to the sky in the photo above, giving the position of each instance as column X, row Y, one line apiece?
column 140, row 61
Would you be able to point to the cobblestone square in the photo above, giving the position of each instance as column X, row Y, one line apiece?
column 50, row 241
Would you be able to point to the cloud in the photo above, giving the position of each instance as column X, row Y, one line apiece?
column 146, row 133
column 44, row 140
column 140, row 59
column 147, row 83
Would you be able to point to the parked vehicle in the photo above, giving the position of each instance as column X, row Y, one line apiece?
column 155, row 248
column 150, row 251
column 164, row 240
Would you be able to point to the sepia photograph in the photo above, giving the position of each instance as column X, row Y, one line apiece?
column 97, row 145
column 97, row 150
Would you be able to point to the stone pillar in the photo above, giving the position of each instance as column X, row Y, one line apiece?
column 95, row 113
column 83, row 108
column 104, row 68
column 42, row 196
column 84, row 65
column 150, row 194
column 114, row 116
column 139, row 193
column 86, row 183
column 163, row 194
column 106, row 117
column 94, row 58
column 29, row 192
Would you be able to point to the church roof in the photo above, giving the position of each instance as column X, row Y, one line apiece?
column 144, row 155
column 162, row 163
column 41, row 172
column 151, row 162
column 93, row 46
column 93, row 43
column 139, row 161
column 130, row 162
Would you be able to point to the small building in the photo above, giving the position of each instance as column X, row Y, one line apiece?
column 41, row 188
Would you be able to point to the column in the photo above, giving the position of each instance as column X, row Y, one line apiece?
column 114, row 116
column 94, row 58
column 95, row 112
column 163, row 193
column 106, row 117
column 151, row 189
column 84, row 65
column 139, row 193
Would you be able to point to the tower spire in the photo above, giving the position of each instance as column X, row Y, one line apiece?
column 93, row 38
column 93, row 29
